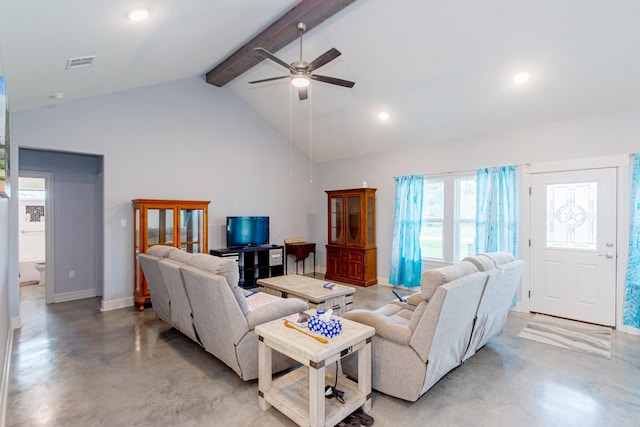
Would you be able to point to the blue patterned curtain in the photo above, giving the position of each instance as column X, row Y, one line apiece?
column 406, row 257
column 496, row 210
column 631, row 315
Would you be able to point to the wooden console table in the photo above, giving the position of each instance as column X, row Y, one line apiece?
column 301, row 251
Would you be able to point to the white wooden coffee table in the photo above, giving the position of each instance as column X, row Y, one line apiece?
column 299, row 394
column 339, row 299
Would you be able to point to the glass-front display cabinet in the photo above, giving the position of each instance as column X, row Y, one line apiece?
column 351, row 248
column 179, row 223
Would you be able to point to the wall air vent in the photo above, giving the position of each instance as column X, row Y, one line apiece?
column 80, row 62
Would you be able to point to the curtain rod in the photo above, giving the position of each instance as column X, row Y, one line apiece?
column 464, row 172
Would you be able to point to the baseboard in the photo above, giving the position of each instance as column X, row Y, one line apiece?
column 115, row 304
column 517, row 307
column 16, row 322
column 4, row 386
column 629, row 330
column 74, row 295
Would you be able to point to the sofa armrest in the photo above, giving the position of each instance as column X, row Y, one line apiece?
column 274, row 310
column 414, row 299
column 385, row 326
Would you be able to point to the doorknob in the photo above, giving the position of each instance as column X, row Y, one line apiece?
column 607, row 255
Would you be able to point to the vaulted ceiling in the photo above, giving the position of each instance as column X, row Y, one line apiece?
column 442, row 70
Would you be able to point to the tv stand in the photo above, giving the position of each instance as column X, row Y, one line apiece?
column 255, row 262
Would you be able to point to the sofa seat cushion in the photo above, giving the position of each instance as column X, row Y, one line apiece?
column 258, row 299
column 394, row 327
column 432, row 279
column 396, row 313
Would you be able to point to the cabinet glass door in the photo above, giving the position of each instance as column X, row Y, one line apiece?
column 353, row 220
column 160, row 227
column 191, row 229
column 335, row 220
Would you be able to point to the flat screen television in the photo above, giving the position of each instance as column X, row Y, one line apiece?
column 243, row 231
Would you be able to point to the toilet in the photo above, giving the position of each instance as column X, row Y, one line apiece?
column 41, row 267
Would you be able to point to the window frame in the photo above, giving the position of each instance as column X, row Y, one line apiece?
column 451, row 221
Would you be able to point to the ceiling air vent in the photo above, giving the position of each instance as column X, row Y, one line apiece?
column 80, row 62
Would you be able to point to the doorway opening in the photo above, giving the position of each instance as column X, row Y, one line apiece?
column 34, row 257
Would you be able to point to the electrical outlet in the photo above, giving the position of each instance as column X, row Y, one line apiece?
column 72, row 274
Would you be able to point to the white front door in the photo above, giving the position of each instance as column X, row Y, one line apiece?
column 573, row 244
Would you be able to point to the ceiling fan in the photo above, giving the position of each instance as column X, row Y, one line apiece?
column 301, row 71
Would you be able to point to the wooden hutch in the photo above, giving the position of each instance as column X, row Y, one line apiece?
column 351, row 248
column 179, row 223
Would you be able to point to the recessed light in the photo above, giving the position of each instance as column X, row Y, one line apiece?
column 138, row 14
column 383, row 115
column 521, row 78
column 58, row 96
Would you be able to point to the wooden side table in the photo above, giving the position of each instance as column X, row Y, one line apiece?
column 299, row 394
column 301, row 250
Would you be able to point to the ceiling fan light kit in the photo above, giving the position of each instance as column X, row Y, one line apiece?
column 300, row 72
column 300, row 81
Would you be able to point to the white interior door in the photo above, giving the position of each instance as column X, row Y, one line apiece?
column 573, row 244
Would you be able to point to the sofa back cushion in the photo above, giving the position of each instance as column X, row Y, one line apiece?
column 432, row 279
column 179, row 256
column 181, row 314
column 499, row 258
column 160, row 251
column 223, row 267
column 482, row 263
column 444, row 330
column 218, row 320
column 158, row 289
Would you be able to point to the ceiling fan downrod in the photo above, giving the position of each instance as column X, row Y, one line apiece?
column 302, row 27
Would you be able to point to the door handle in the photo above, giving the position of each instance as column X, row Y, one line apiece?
column 607, row 255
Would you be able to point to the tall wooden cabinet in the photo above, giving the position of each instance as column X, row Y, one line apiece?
column 179, row 223
column 351, row 248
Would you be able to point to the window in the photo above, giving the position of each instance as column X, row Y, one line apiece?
column 448, row 218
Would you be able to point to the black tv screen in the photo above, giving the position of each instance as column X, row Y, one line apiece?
column 245, row 231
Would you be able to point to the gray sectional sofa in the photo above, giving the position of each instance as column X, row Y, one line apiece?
column 198, row 294
column 459, row 308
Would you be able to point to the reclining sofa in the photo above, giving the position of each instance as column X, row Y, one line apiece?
column 198, row 294
column 458, row 309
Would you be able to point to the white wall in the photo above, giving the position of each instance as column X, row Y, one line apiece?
column 8, row 269
column 182, row 140
column 601, row 135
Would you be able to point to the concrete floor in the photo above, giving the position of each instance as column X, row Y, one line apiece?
column 73, row 365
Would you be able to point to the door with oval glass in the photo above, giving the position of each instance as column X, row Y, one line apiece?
column 573, row 244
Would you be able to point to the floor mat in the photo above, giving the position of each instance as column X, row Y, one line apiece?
column 569, row 334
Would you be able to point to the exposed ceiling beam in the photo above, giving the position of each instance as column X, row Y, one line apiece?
column 275, row 37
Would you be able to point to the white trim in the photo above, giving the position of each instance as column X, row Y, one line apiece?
column 621, row 163
column 579, row 164
column 622, row 240
column 16, row 322
column 48, row 233
column 629, row 330
column 4, row 387
column 115, row 304
column 74, row 295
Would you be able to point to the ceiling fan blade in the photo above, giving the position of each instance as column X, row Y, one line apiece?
column 302, row 93
column 269, row 79
column 332, row 80
column 274, row 58
column 323, row 59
